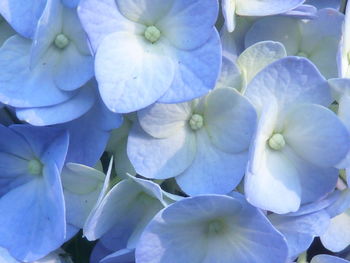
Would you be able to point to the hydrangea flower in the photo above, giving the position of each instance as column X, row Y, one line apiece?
column 231, row 8
column 32, row 210
column 211, row 228
column 148, row 51
column 58, row 61
column 122, row 212
column 203, row 143
column 298, row 140
column 328, row 259
column 317, row 39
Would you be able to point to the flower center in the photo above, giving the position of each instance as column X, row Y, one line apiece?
column 216, row 227
column 348, row 55
column 277, row 142
column 196, row 122
column 61, row 41
column 35, row 167
column 152, row 34
column 302, row 54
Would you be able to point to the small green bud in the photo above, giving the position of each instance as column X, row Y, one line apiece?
column 61, row 41
column 35, row 167
column 152, row 34
column 196, row 122
column 277, row 142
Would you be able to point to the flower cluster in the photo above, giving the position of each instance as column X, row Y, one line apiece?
column 174, row 131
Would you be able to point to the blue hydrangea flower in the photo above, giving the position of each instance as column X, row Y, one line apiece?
column 231, row 8
column 211, row 228
column 317, row 39
column 328, row 259
column 43, row 76
column 203, row 143
column 122, row 212
column 32, row 210
column 148, row 51
column 288, row 167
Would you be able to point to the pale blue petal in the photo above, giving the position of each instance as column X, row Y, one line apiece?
column 131, row 73
column 266, row 7
column 101, row 18
column 197, row 71
column 164, row 120
column 23, row 15
column 161, row 158
column 302, row 12
column 67, row 111
column 328, row 259
column 316, row 134
column 230, row 120
column 121, row 256
column 14, row 144
column 230, row 75
column 213, row 171
column 33, row 218
column 183, row 26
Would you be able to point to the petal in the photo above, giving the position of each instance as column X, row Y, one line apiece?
column 266, row 7
column 300, row 231
column 29, row 88
column 196, row 73
column 6, row 32
column 302, row 12
column 182, row 25
column 121, row 256
column 14, row 144
column 161, row 158
column 41, row 229
column 289, row 81
column 212, row 171
column 164, row 120
column 71, row 3
column 327, row 259
column 22, row 15
column 286, row 30
column 146, row 12
column 73, row 69
column 132, row 74
column 101, row 18
column 337, row 236
column 335, row 4
column 229, row 13
column 230, row 75
column 89, row 134
column 69, row 110
column 316, row 134
column 230, row 120
column 257, row 57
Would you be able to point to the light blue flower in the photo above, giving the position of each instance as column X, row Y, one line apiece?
column 203, row 143
column 43, row 76
column 328, row 259
column 298, row 140
column 317, row 39
column 146, row 51
column 231, row 8
column 32, row 210
column 211, row 228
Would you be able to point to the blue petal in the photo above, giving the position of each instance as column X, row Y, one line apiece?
column 23, row 15
column 328, row 259
column 121, row 256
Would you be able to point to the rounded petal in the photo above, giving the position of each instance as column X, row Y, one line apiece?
column 212, row 171
column 164, row 120
column 316, row 134
column 197, row 71
column 286, row 30
column 230, row 120
column 161, row 158
column 327, row 259
column 131, row 73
